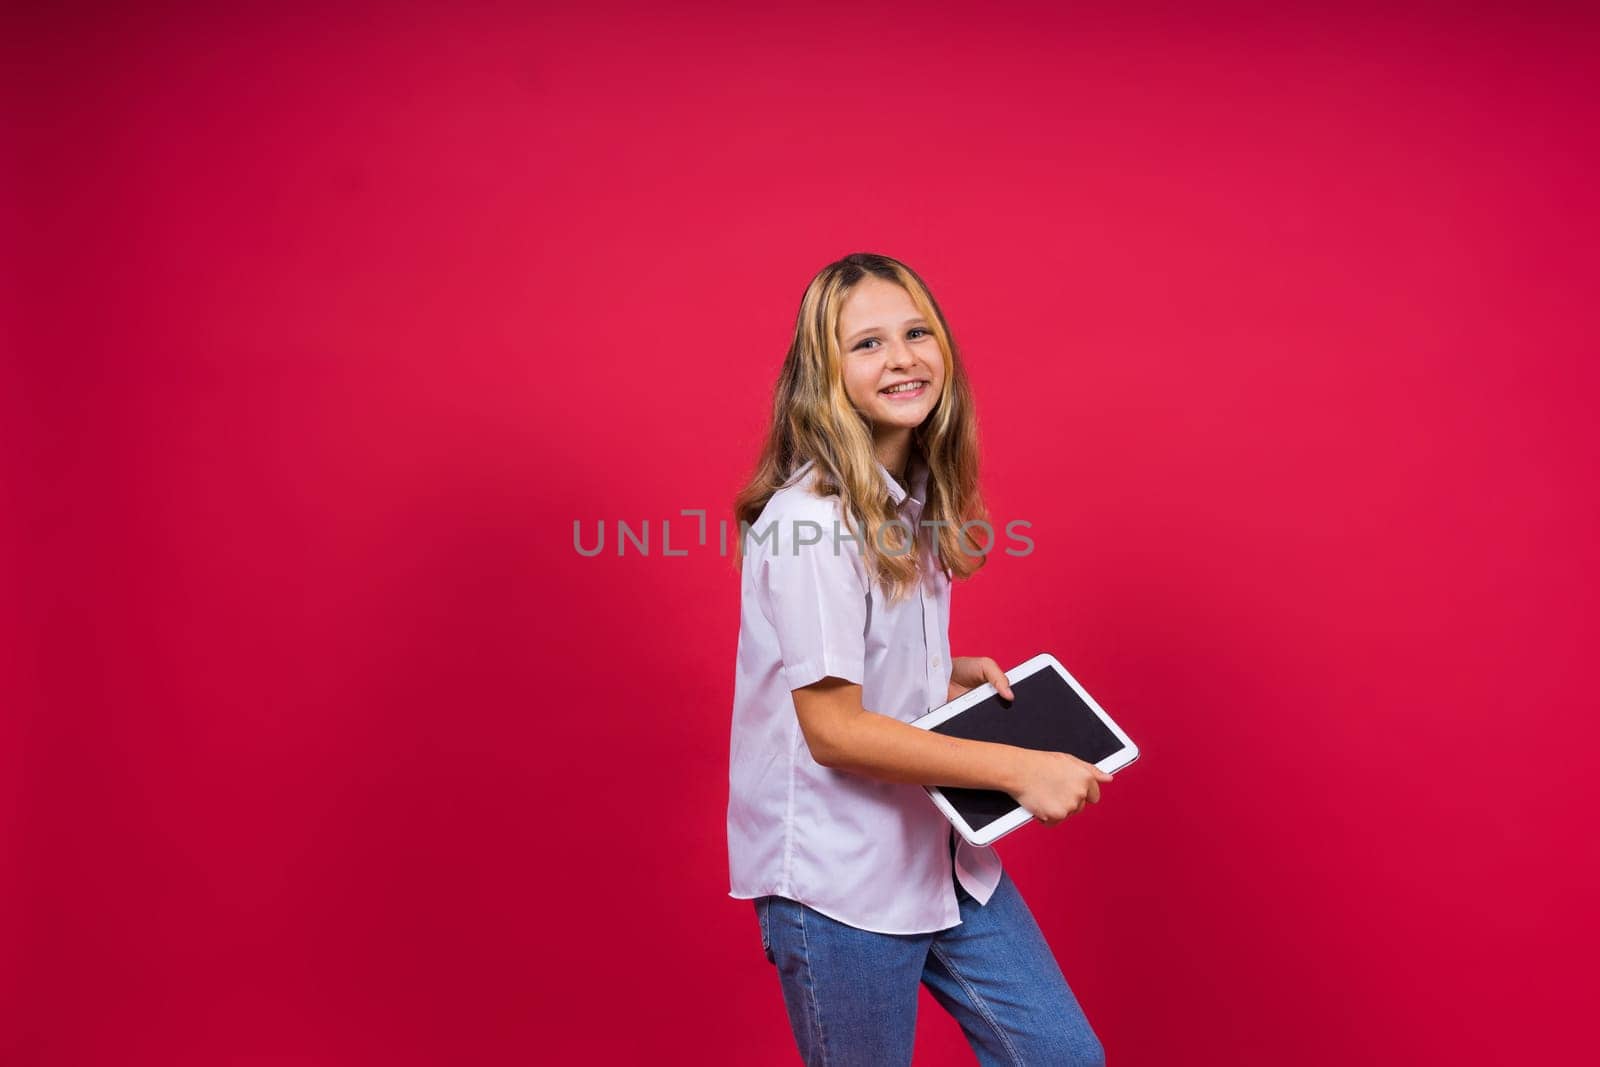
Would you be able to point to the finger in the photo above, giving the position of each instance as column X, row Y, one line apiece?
column 997, row 677
column 1094, row 791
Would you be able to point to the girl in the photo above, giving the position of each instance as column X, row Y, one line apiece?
column 861, row 887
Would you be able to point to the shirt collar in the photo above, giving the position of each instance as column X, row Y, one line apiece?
column 917, row 473
column 897, row 493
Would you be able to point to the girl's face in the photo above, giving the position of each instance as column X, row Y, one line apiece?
column 884, row 342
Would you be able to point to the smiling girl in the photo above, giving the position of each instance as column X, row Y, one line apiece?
column 862, row 890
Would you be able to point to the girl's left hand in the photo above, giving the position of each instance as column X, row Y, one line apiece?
column 969, row 672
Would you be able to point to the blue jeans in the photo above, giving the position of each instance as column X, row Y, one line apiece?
column 851, row 994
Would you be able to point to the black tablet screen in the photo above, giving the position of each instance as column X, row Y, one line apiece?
column 1047, row 714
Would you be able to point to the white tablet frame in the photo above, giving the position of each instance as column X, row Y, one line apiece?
column 1020, row 816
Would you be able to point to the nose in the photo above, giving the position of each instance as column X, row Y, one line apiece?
column 899, row 354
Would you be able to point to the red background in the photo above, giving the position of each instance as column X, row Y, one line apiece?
column 329, row 326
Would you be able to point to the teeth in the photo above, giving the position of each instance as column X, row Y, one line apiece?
column 904, row 387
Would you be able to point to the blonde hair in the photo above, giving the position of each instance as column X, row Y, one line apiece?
column 813, row 419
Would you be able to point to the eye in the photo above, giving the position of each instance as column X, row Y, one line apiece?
column 910, row 333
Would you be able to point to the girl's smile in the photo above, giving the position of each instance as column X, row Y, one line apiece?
column 905, row 390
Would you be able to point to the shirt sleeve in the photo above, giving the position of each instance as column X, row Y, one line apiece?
column 819, row 608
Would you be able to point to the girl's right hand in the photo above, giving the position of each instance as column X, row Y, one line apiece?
column 1055, row 785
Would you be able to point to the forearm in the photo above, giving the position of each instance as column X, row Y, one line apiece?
column 877, row 746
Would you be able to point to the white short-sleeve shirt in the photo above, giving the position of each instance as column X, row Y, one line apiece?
column 870, row 853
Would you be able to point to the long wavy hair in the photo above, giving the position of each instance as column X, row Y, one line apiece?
column 813, row 419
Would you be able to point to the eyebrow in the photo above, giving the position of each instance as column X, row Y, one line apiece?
column 874, row 329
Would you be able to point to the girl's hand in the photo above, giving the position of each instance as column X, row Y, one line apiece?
column 969, row 672
column 1055, row 785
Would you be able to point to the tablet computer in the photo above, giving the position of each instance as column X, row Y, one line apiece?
column 1051, row 712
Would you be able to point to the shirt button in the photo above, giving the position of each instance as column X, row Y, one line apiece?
column 936, row 661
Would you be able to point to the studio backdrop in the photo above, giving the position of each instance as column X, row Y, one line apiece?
column 337, row 335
